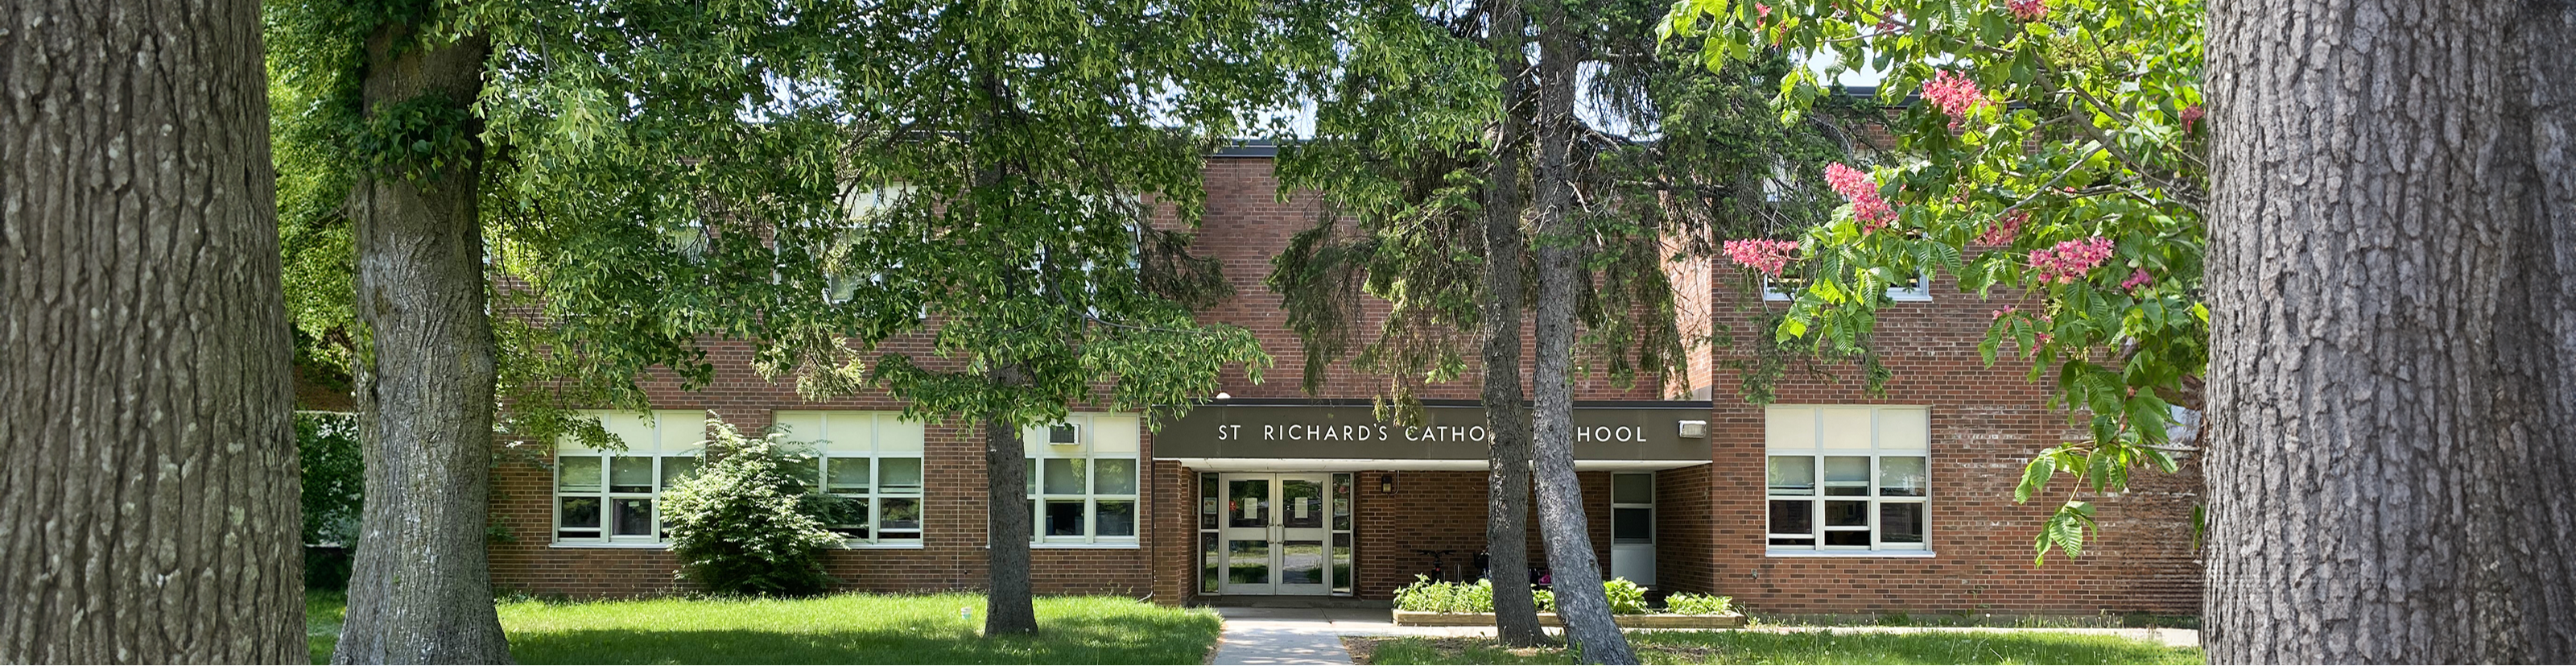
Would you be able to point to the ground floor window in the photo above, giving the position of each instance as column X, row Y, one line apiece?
column 872, row 463
column 609, row 495
column 1848, row 478
column 1084, row 480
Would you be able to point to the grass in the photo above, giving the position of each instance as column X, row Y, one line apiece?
column 843, row 629
column 1803, row 647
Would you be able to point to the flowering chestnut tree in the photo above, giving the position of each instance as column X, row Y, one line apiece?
column 2055, row 161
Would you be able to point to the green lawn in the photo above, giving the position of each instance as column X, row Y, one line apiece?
column 1804, row 647
column 845, row 629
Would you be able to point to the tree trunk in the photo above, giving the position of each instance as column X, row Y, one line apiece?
column 1577, row 574
column 1507, row 481
column 2392, row 473
column 420, row 590
column 149, row 511
column 1008, row 609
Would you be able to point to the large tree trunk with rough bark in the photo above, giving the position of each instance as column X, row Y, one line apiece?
column 1507, row 459
column 2392, row 439
column 420, row 591
column 1577, row 573
column 149, row 510
column 1008, row 607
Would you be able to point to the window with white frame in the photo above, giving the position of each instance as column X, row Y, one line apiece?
column 609, row 496
column 1848, row 479
column 1083, row 480
column 871, row 461
column 1785, row 288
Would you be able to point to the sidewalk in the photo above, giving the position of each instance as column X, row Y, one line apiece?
column 1314, row 635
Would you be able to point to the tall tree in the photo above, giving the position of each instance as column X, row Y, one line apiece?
column 1580, row 600
column 425, row 382
column 1018, row 152
column 1421, row 154
column 1414, row 140
column 411, row 132
column 2390, row 466
column 2385, row 463
column 150, row 513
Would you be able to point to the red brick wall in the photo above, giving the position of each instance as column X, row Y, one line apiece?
column 1985, row 422
column 1683, row 540
column 1445, row 510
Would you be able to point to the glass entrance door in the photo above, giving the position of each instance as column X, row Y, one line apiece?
column 1276, row 535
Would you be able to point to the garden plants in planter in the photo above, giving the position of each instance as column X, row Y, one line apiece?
column 1438, row 603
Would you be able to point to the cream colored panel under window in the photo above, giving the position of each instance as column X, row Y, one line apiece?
column 1113, row 434
column 800, row 426
column 1791, row 427
column 1904, row 428
column 896, row 436
column 682, row 429
column 636, row 430
column 1845, row 427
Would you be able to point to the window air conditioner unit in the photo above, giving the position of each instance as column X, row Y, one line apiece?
column 1064, row 435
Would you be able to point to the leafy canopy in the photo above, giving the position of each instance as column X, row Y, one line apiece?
column 2055, row 161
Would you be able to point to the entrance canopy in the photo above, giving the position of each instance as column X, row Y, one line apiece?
column 1334, row 435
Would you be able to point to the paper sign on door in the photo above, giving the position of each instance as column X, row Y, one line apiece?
column 1251, row 510
column 1302, row 509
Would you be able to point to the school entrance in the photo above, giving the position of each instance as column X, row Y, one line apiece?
column 1277, row 533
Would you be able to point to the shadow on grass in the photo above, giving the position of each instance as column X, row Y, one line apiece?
column 842, row 629
column 1072, row 631
column 1812, row 647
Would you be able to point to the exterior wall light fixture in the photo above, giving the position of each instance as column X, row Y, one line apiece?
column 1386, row 483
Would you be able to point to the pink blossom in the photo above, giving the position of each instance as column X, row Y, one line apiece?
column 2005, row 228
column 1761, row 11
column 2070, row 260
column 2008, row 309
column 2137, row 279
column 1955, row 94
column 2190, row 114
column 1854, row 184
column 1761, row 254
column 2027, row 10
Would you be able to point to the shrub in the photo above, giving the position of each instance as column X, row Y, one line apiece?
column 1625, row 597
column 749, row 521
column 1698, row 604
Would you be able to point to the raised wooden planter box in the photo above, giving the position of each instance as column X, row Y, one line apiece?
column 1653, row 621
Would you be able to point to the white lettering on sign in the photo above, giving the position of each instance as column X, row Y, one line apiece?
column 1382, row 432
column 1609, row 434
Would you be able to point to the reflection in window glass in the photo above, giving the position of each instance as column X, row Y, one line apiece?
column 901, row 475
column 1113, row 476
column 634, row 517
column 1062, row 476
column 630, row 474
column 1793, row 475
column 1900, row 476
column 577, row 474
column 1117, row 519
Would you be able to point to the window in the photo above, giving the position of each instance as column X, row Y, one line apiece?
column 1849, row 478
column 1785, row 287
column 871, row 462
column 609, row 496
column 1632, row 508
column 1084, row 491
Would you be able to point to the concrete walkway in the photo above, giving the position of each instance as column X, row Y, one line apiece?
column 1314, row 635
